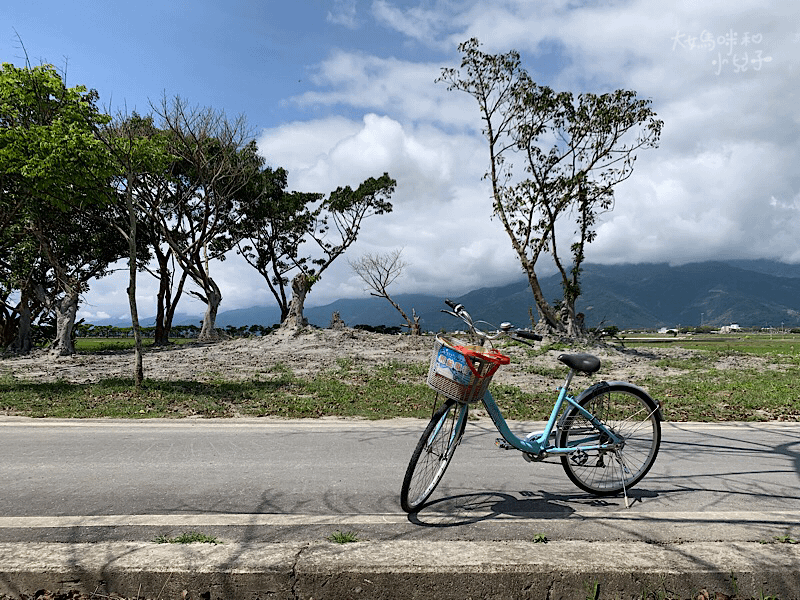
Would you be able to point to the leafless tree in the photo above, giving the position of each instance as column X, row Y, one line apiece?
column 379, row 271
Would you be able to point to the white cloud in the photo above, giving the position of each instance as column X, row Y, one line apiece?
column 420, row 24
column 442, row 212
column 344, row 13
column 403, row 89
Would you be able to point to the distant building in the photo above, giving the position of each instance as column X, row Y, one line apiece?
column 733, row 327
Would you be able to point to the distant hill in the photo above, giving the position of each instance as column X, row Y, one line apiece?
column 750, row 293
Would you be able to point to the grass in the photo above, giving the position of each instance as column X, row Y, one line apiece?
column 728, row 395
column 91, row 345
column 691, row 389
column 391, row 390
column 343, row 537
column 758, row 344
column 191, row 537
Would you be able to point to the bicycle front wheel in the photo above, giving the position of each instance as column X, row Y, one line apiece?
column 633, row 416
column 433, row 453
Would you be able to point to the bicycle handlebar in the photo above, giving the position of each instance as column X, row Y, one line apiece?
column 505, row 329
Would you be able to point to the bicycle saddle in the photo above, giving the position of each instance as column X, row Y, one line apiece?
column 585, row 363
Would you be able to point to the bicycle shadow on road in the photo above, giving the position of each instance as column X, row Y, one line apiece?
column 468, row 509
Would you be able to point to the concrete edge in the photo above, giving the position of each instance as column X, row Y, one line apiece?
column 404, row 569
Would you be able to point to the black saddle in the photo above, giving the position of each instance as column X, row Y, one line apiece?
column 585, row 363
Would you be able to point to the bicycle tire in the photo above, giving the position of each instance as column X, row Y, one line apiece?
column 630, row 413
column 433, row 454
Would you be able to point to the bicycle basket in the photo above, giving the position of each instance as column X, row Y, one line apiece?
column 461, row 371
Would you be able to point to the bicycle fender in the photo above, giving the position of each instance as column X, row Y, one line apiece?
column 623, row 386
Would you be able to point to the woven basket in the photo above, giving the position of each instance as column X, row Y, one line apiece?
column 461, row 371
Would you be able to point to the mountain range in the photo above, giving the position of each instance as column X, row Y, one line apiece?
column 749, row 293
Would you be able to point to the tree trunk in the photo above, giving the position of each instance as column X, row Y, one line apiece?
column 9, row 329
column 415, row 328
column 161, row 333
column 138, row 368
column 208, row 331
column 24, row 342
column 166, row 303
column 300, row 288
column 547, row 316
column 65, row 310
column 412, row 324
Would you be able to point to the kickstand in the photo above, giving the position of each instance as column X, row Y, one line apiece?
column 624, row 488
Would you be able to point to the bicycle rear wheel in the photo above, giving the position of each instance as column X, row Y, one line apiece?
column 631, row 414
column 433, row 453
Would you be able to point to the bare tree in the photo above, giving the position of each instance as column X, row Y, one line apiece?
column 379, row 271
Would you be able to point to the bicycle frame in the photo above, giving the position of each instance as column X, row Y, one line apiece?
column 539, row 446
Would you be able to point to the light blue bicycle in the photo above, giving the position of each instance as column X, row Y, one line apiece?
column 607, row 437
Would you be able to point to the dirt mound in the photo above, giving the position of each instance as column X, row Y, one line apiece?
column 312, row 351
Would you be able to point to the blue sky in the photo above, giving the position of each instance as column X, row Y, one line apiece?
column 339, row 90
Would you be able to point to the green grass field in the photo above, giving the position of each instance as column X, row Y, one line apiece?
column 91, row 345
column 753, row 343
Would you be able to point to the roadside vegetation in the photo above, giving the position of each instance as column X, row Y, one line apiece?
column 702, row 390
column 718, row 382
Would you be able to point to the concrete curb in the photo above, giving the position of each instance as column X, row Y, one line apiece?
column 404, row 569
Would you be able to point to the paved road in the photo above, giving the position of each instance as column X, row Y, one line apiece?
column 267, row 481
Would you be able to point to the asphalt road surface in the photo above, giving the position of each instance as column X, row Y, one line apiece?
column 270, row 480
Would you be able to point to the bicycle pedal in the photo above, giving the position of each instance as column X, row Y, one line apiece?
column 502, row 444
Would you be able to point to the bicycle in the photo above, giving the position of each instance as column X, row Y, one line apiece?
column 607, row 437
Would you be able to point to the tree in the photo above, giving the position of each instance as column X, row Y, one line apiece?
column 275, row 229
column 215, row 164
column 138, row 151
column 573, row 151
column 379, row 271
column 51, row 164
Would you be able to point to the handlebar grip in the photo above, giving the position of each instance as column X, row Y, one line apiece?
column 529, row 336
column 452, row 304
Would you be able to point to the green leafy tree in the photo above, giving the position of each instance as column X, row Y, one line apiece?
column 273, row 228
column 571, row 153
column 276, row 227
column 138, row 152
column 53, row 175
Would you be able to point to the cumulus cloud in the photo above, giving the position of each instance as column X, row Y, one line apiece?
column 442, row 212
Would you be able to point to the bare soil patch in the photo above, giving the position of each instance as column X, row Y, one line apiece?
column 316, row 350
